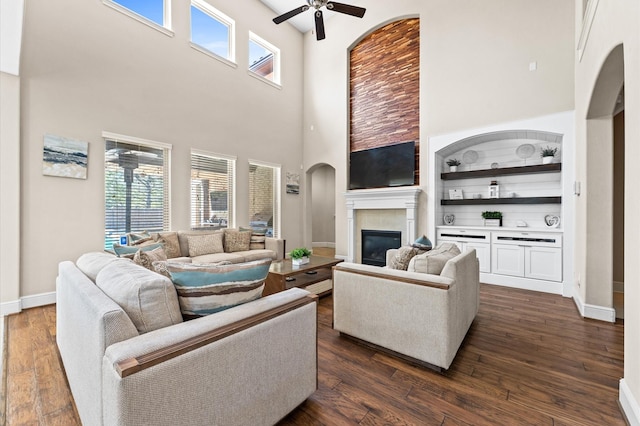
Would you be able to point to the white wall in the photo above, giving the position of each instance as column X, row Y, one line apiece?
column 613, row 23
column 86, row 68
column 474, row 71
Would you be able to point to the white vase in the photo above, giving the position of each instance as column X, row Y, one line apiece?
column 547, row 160
column 300, row 261
column 453, row 168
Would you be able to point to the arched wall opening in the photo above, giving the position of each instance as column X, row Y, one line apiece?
column 601, row 205
column 321, row 202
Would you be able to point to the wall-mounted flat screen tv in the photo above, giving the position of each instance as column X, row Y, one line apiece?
column 392, row 165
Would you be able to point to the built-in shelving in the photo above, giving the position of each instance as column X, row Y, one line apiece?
column 516, row 200
column 539, row 168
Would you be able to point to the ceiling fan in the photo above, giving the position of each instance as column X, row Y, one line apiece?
column 317, row 5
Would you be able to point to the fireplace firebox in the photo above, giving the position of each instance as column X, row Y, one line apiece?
column 376, row 243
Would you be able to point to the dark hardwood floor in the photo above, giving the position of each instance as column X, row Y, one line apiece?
column 528, row 359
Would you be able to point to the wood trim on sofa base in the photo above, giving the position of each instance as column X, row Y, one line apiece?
column 391, row 277
column 131, row 366
column 395, row 354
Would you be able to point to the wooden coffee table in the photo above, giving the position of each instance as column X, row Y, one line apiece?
column 315, row 276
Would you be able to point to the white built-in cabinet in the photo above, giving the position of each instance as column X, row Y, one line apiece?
column 523, row 254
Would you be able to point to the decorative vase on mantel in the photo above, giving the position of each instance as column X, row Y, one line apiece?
column 547, row 160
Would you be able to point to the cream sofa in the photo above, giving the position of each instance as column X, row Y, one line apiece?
column 247, row 365
column 419, row 316
column 177, row 247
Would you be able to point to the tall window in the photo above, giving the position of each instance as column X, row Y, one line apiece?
column 212, row 190
column 264, row 58
column 156, row 11
column 264, row 197
column 136, row 179
column 212, row 30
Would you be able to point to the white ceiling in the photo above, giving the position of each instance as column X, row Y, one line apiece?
column 304, row 21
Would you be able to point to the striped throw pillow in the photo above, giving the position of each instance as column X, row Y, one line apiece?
column 205, row 289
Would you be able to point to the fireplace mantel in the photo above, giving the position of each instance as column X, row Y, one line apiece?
column 405, row 198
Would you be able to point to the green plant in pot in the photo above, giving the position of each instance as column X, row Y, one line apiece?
column 492, row 218
column 453, row 164
column 300, row 256
column 547, row 154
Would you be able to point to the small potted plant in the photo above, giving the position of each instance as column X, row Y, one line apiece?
column 453, row 164
column 547, row 154
column 300, row 256
column 492, row 218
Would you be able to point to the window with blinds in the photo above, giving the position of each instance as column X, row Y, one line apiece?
column 136, row 180
column 264, row 197
column 212, row 190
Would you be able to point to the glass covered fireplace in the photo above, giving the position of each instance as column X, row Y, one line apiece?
column 376, row 243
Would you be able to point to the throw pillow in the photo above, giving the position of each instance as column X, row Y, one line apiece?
column 134, row 237
column 235, row 240
column 146, row 258
column 402, row 257
column 149, row 299
column 130, row 251
column 171, row 243
column 258, row 238
column 433, row 261
column 205, row 244
column 204, row 289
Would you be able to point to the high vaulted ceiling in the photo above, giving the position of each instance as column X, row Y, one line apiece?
column 304, row 21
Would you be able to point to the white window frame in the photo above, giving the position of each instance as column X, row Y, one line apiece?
column 276, row 82
column 150, row 144
column 214, row 13
column 166, row 28
column 232, row 214
column 277, row 194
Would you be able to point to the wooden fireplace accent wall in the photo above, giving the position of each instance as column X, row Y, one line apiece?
column 385, row 87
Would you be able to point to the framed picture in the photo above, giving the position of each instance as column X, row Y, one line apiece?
column 455, row 194
column 64, row 157
column 293, row 183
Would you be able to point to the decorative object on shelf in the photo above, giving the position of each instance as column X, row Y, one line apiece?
column 453, row 164
column 300, row 256
column 456, row 194
column 552, row 221
column 494, row 165
column 470, row 157
column 521, row 224
column 494, row 189
column 423, row 243
column 64, row 157
column 525, row 151
column 449, row 219
column 547, row 154
column 477, row 196
column 492, row 218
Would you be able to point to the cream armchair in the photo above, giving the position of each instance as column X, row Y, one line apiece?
column 422, row 317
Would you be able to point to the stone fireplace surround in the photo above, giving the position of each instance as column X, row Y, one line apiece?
column 405, row 198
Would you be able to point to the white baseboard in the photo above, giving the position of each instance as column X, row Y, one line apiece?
column 16, row 306
column 629, row 405
column 323, row 244
column 41, row 299
column 601, row 313
column 10, row 308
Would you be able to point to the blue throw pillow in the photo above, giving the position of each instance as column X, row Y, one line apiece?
column 124, row 251
column 205, row 289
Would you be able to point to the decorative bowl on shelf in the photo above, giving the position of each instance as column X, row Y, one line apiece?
column 552, row 221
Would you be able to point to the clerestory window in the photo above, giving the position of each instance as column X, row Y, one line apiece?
column 212, row 30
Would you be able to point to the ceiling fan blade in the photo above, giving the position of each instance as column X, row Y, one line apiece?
column 346, row 8
column 290, row 14
column 319, row 25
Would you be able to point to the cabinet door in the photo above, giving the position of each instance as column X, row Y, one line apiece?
column 507, row 259
column 483, row 252
column 543, row 263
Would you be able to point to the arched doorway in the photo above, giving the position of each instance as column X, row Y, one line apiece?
column 322, row 203
column 605, row 185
